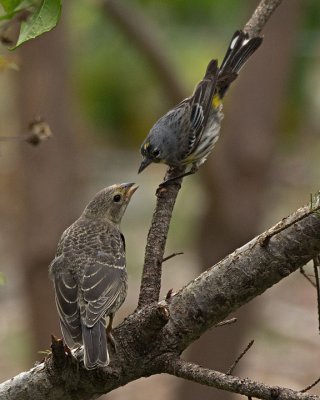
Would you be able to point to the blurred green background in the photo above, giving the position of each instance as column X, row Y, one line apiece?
column 101, row 79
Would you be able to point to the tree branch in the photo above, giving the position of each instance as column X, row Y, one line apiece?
column 195, row 373
column 238, row 278
column 156, row 241
column 261, row 16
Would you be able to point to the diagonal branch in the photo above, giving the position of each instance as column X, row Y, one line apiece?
column 156, row 243
column 241, row 276
column 261, row 16
column 195, row 373
column 148, row 335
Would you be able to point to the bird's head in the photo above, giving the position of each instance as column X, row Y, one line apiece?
column 111, row 202
column 151, row 152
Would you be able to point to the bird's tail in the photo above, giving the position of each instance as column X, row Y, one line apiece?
column 95, row 345
column 240, row 49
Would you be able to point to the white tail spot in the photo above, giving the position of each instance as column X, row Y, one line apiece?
column 232, row 44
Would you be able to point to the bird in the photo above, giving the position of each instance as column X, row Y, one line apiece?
column 187, row 133
column 89, row 274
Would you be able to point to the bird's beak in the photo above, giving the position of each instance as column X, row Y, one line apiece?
column 129, row 189
column 145, row 162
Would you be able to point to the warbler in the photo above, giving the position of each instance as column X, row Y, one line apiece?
column 89, row 274
column 187, row 133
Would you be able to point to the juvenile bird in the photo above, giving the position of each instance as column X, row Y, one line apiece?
column 89, row 273
column 187, row 133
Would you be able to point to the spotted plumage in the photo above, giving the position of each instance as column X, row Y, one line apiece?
column 89, row 273
column 187, row 133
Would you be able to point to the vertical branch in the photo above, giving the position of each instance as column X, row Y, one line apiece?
column 316, row 265
column 156, row 241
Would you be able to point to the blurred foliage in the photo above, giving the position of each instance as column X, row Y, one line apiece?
column 301, row 95
column 118, row 91
column 120, row 94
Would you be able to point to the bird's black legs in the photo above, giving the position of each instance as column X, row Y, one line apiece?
column 193, row 169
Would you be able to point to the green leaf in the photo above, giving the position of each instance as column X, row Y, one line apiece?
column 45, row 18
column 10, row 5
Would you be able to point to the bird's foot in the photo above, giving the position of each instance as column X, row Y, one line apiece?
column 177, row 177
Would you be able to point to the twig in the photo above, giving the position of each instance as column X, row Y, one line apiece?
column 226, row 322
column 39, row 130
column 260, row 16
column 169, row 294
column 316, row 264
column 281, row 226
column 231, row 369
column 172, row 255
column 195, row 373
column 303, row 273
column 310, row 386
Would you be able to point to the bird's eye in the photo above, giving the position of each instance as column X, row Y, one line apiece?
column 156, row 153
column 117, row 198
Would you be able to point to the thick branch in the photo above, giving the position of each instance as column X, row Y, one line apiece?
column 243, row 275
column 196, row 373
column 202, row 303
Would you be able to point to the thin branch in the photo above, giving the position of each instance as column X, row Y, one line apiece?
column 226, row 322
column 316, row 264
column 195, row 373
column 233, row 366
column 261, row 16
column 281, row 226
column 39, row 130
column 310, row 386
column 303, row 273
column 172, row 255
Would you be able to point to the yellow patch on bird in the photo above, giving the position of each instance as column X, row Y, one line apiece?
column 146, row 145
column 216, row 101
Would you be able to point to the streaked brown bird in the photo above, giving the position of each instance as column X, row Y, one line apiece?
column 89, row 274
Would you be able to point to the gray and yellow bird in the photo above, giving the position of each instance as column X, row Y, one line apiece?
column 89, row 274
column 187, row 133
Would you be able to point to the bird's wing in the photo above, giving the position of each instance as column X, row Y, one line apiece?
column 66, row 296
column 103, row 278
column 199, row 104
